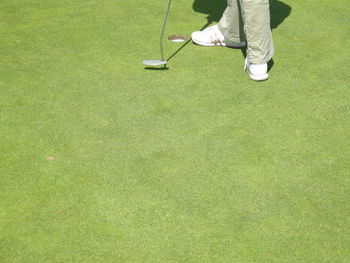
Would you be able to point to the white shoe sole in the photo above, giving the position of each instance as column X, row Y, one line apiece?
column 218, row 44
column 258, row 77
column 205, row 44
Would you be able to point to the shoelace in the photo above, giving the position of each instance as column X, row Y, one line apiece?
column 215, row 38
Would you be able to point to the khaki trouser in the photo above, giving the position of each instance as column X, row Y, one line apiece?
column 249, row 20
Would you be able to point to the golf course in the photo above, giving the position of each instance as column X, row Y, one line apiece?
column 104, row 159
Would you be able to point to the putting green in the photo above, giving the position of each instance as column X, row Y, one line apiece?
column 102, row 160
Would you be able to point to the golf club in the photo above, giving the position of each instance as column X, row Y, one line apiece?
column 161, row 61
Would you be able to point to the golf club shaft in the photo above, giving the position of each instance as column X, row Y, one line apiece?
column 163, row 29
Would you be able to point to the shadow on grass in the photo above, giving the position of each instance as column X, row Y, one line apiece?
column 156, row 68
column 214, row 9
column 179, row 49
column 185, row 44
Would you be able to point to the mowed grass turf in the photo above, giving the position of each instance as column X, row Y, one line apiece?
column 102, row 160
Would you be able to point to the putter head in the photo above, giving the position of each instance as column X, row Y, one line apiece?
column 154, row 62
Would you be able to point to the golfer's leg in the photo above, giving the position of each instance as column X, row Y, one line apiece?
column 231, row 23
column 256, row 17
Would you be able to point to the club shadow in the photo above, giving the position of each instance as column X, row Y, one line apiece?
column 179, row 49
column 157, row 68
column 185, row 44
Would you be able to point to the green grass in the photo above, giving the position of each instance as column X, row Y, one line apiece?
column 192, row 164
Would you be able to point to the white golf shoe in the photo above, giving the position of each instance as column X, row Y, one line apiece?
column 212, row 36
column 257, row 72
